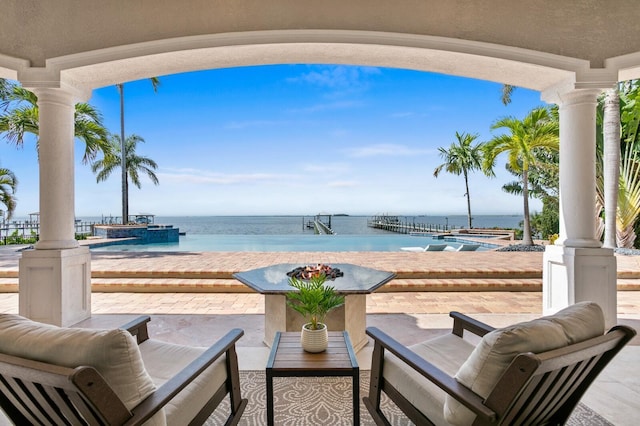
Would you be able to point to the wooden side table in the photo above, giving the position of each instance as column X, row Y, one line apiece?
column 288, row 359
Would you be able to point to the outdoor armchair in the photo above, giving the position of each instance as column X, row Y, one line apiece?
column 54, row 375
column 528, row 373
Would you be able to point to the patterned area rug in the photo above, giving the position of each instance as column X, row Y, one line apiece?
column 327, row 401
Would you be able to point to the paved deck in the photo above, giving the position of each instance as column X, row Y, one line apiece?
column 493, row 283
column 212, row 271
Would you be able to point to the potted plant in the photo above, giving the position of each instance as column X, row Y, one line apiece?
column 313, row 300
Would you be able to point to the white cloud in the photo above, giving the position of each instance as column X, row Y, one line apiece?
column 336, row 77
column 327, row 168
column 416, row 114
column 337, row 81
column 386, row 150
column 194, row 176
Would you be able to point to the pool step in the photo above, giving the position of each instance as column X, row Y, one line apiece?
column 209, row 285
column 234, row 286
column 463, row 284
column 629, row 284
column 168, row 285
column 150, row 285
column 431, row 274
column 160, row 283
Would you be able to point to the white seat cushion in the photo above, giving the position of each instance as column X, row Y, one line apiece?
column 114, row 353
column 446, row 352
column 164, row 360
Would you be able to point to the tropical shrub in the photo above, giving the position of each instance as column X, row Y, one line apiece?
column 313, row 300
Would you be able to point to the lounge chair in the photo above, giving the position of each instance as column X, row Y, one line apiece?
column 430, row 247
column 57, row 375
column 468, row 247
column 528, row 373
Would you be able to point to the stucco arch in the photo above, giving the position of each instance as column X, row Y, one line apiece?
column 503, row 64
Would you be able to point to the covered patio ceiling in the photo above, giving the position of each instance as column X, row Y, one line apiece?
column 536, row 46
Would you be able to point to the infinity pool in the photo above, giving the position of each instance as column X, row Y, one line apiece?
column 290, row 243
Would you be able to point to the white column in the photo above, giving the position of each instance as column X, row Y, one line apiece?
column 576, row 268
column 55, row 153
column 54, row 282
column 578, row 168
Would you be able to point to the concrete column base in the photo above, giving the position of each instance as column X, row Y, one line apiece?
column 350, row 317
column 55, row 285
column 572, row 275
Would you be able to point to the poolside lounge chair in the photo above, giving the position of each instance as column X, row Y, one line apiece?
column 468, row 247
column 430, row 247
column 528, row 373
column 57, row 375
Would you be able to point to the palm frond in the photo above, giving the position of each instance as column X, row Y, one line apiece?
column 16, row 124
column 104, row 167
column 507, row 91
column 8, row 186
column 628, row 198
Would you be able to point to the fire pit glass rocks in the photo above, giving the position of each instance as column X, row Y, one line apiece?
column 310, row 271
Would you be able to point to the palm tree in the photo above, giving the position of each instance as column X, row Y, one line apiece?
column 628, row 206
column 627, row 129
column 155, row 82
column 461, row 158
column 6, row 87
column 136, row 164
column 611, row 164
column 538, row 130
column 543, row 185
column 8, row 184
column 20, row 117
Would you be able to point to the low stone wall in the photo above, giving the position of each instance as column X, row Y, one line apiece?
column 146, row 234
column 163, row 234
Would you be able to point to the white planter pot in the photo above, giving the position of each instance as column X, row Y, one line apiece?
column 314, row 341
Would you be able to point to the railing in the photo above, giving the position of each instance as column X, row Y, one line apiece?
column 17, row 232
column 322, row 228
column 395, row 224
column 318, row 224
column 140, row 219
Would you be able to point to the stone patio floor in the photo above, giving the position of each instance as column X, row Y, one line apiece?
column 191, row 299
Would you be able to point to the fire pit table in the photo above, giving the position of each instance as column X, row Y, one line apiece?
column 354, row 282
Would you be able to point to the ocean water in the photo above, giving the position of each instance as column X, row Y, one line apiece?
column 289, row 233
column 294, row 225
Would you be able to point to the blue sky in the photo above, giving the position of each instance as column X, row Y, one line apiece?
column 294, row 139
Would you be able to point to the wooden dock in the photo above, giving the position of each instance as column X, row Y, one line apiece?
column 322, row 228
column 395, row 224
column 321, row 224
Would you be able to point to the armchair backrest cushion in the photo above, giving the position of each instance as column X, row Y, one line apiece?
column 580, row 322
column 491, row 357
column 113, row 353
